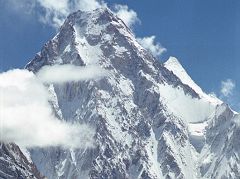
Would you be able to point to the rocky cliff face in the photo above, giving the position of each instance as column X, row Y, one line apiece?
column 152, row 121
column 220, row 156
column 14, row 164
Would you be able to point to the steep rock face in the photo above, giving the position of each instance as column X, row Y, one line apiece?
column 151, row 120
column 220, row 156
column 14, row 164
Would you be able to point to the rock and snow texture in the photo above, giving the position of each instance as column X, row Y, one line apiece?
column 152, row 121
column 220, row 156
column 136, row 136
column 174, row 65
column 15, row 165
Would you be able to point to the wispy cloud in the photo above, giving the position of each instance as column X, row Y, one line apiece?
column 52, row 12
column 128, row 16
column 65, row 73
column 154, row 47
column 55, row 11
column 229, row 93
column 26, row 115
column 227, row 87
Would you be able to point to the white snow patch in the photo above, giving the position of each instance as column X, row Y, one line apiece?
column 197, row 129
column 67, row 49
column 152, row 151
column 73, row 157
column 60, row 168
column 89, row 54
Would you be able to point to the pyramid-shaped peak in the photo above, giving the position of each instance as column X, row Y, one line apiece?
column 173, row 61
column 173, row 64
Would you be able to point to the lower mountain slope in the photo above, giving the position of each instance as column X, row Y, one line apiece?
column 15, row 165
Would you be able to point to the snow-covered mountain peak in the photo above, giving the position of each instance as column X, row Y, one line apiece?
column 147, row 115
column 175, row 66
column 173, row 61
column 88, row 37
column 127, row 108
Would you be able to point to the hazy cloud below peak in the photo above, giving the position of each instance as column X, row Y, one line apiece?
column 68, row 72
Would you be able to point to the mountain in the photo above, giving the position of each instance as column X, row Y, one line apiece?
column 14, row 164
column 152, row 120
column 135, row 133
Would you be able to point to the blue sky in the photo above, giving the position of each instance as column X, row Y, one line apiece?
column 204, row 35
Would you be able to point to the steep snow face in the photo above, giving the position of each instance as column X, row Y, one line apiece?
column 146, row 114
column 14, row 164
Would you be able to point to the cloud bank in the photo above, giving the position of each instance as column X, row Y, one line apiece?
column 154, row 47
column 27, row 118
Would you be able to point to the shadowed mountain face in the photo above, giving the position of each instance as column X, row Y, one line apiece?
column 152, row 121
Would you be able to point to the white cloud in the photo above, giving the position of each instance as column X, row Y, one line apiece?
column 149, row 43
column 128, row 16
column 52, row 12
column 227, row 87
column 56, row 11
column 26, row 117
column 85, row 5
column 65, row 73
